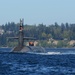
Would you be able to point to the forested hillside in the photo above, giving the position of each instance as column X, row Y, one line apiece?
column 40, row 31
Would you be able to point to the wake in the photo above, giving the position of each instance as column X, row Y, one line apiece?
column 54, row 53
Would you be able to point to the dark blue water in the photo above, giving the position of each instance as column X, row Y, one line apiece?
column 36, row 64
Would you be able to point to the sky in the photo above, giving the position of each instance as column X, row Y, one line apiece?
column 37, row 11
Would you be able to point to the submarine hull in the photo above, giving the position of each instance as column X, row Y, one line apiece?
column 26, row 49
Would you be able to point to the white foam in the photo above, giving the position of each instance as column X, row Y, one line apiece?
column 51, row 53
column 47, row 53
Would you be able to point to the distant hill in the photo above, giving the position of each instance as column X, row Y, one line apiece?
column 41, row 31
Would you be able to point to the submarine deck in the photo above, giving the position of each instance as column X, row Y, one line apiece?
column 34, row 49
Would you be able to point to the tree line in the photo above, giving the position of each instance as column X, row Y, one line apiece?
column 40, row 31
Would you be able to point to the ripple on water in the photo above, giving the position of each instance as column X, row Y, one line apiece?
column 40, row 69
column 29, row 64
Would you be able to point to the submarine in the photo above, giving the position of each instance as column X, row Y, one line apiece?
column 21, row 48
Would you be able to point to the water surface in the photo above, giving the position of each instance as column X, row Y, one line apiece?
column 37, row 64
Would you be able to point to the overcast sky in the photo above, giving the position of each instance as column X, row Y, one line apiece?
column 37, row 11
